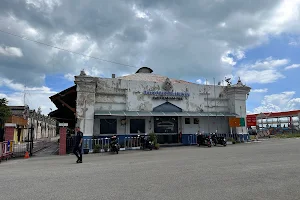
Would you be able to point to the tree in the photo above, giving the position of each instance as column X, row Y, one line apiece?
column 4, row 111
column 4, row 114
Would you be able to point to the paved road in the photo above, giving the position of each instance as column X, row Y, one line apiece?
column 260, row 171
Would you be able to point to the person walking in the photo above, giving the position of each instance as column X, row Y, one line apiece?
column 78, row 145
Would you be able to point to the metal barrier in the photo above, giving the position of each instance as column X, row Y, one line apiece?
column 129, row 143
column 192, row 139
column 102, row 144
column 5, row 152
column 132, row 143
column 19, row 149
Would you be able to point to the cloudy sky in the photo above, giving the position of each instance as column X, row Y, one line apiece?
column 194, row 40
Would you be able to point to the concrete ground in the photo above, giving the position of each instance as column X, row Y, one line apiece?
column 261, row 171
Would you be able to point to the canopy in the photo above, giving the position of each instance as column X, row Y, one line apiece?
column 147, row 113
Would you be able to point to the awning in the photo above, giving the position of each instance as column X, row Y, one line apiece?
column 171, row 114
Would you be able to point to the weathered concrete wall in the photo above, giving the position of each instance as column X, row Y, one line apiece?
column 117, row 94
column 213, row 124
column 85, row 103
column 237, row 98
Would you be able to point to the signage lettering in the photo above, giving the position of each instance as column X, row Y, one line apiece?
column 166, row 93
column 167, row 98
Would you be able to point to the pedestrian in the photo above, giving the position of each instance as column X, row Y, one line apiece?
column 78, row 145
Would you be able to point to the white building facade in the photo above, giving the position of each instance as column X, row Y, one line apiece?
column 148, row 103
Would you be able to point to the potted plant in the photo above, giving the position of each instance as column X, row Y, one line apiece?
column 153, row 137
column 106, row 147
column 86, row 149
column 96, row 148
column 156, row 146
column 231, row 141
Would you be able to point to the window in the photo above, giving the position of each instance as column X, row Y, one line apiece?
column 137, row 125
column 187, row 120
column 196, row 121
column 108, row 126
column 165, row 124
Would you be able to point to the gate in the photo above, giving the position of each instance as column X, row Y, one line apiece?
column 70, row 142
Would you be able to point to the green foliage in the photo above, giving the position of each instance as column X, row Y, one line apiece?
column 4, row 111
column 153, row 138
column 231, row 140
column 96, row 148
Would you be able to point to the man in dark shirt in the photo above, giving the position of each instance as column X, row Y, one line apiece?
column 78, row 145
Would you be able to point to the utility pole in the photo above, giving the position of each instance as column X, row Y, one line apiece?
column 215, row 103
column 207, row 106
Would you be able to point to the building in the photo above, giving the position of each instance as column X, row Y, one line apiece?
column 287, row 119
column 23, row 119
column 149, row 103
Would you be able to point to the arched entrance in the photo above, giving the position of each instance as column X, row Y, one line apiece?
column 166, row 127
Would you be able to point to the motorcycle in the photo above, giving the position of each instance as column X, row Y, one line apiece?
column 114, row 145
column 219, row 140
column 204, row 140
column 146, row 144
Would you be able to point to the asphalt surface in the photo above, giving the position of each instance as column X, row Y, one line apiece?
column 266, row 170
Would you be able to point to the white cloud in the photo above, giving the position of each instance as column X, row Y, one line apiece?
column 293, row 66
column 199, row 81
column 262, row 71
column 206, row 45
column 294, row 41
column 69, row 77
column 264, row 90
column 269, row 63
column 284, row 101
column 255, row 76
column 35, row 97
column 11, row 51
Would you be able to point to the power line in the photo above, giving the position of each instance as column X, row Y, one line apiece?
column 59, row 48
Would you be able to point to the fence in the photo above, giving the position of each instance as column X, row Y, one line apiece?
column 126, row 143
column 192, row 139
column 5, row 150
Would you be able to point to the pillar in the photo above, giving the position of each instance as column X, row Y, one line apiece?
column 238, row 95
column 9, row 131
column 85, row 103
column 63, row 138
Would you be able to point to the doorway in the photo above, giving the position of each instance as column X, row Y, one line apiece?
column 166, row 129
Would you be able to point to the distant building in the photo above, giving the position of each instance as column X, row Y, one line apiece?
column 23, row 118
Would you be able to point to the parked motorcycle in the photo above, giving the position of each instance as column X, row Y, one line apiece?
column 114, row 145
column 146, row 143
column 218, row 140
column 204, row 140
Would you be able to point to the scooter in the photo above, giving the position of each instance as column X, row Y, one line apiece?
column 204, row 140
column 146, row 144
column 114, row 147
column 218, row 140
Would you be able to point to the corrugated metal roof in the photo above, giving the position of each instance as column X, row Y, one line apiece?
column 151, row 78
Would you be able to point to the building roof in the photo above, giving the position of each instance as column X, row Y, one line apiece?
column 276, row 114
column 151, row 77
column 144, row 70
